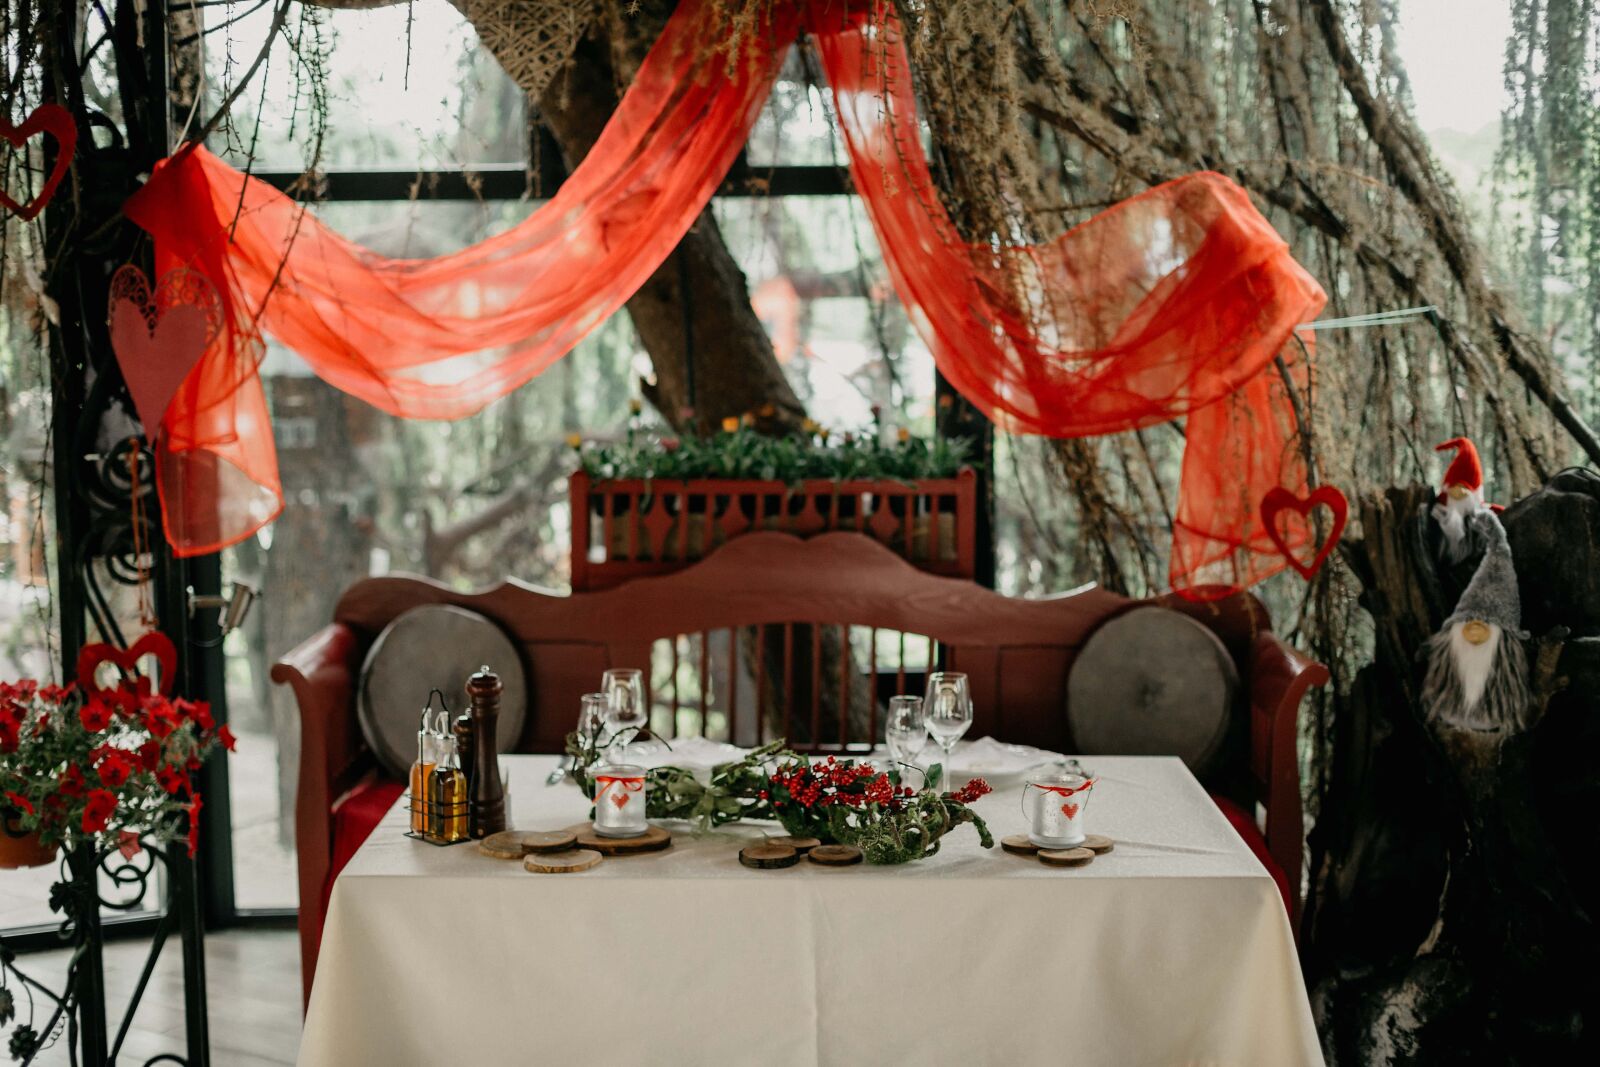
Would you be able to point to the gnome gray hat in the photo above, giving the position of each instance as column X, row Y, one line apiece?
column 1492, row 594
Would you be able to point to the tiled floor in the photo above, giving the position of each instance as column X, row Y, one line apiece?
column 253, row 983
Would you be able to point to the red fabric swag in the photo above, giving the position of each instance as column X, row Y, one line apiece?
column 1173, row 304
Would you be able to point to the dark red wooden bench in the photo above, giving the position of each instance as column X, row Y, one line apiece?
column 778, row 594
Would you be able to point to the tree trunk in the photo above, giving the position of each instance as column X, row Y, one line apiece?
column 1451, row 917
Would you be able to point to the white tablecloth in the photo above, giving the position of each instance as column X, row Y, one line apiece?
column 1172, row 949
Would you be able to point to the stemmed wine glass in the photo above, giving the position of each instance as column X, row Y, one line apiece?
column 625, row 707
column 948, row 712
column 906, row 732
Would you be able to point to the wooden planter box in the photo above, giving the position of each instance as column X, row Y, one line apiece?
column 631, row 528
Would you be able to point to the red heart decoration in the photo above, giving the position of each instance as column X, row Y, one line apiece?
column 1279, row 500
column 57, row 122
column 159, row 337
column 1070, row 810
column 126, row 660
column 620, row 800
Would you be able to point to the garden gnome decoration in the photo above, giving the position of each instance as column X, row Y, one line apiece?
column 1460, row 498
column 1477, row 669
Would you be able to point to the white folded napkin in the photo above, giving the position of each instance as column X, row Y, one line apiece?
column 694, row 754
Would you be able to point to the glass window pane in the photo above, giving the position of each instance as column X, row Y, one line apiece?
column 407, row 86
column 817, row 280
column 371, row 494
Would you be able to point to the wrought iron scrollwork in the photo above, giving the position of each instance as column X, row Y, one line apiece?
column 38, row 1016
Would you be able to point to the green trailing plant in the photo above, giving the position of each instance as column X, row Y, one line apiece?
column 739, row 452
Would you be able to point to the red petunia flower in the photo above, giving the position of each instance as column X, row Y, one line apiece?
column 19, row 802
column 150, row 755
column 198, row 710
column 115, row 767
column 72, row 782
column 225, row 735
column 172, row 779
column 97, row 810
column 160, row 718
column 95, row 715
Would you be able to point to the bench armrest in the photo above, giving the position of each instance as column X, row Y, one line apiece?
column 1279, row 680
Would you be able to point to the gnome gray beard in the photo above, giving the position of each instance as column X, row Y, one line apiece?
column 1476, row 687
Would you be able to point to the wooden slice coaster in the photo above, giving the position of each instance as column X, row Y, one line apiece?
column 1020, row 844
column 1098, row 844
column 561, row 862
column 801, row 845
column 768, row 857
column 514, row 844
column 1066, row 857
column 652, row 840
column 835, row 855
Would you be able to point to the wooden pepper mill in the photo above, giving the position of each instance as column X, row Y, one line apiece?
column 486, row 808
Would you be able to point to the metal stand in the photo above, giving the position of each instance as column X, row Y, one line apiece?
column 77, row 1016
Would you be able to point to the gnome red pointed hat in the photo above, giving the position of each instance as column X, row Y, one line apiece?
column 1464, row 470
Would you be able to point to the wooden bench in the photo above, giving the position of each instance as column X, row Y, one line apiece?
column 739, row 646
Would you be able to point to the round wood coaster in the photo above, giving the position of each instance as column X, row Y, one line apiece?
column 1019, row 844
column 835, row 855
column 799, row 844
column 652, row 840
column 768, row 857
column 561, row 862
column 1098, row 844
column 514, row 844
column 1066, row 857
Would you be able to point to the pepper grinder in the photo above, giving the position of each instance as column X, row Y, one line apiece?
column 486, row 812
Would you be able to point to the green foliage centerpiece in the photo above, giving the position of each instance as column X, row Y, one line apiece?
column 838, row 801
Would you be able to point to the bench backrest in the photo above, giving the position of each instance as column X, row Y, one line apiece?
column 748, row 644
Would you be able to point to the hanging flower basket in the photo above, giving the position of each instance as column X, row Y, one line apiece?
column 20, row 848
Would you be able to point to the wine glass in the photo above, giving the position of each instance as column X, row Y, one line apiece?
column 905, row 731
column 948, row 713
column 625, row 707
column 592, row 719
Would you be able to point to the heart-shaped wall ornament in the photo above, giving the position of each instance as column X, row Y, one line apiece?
column 160, row 335
column 57, row 122
column 1280, row 501
column 118, row 675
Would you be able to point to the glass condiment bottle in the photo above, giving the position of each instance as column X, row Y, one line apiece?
column 421, row 776
column 447, row 795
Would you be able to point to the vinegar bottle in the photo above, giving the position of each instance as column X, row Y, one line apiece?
column 421, row 775
column 447, row 795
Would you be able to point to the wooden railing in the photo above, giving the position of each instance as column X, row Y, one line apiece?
column 633, row 528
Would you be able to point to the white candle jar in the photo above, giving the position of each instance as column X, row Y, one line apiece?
column 1055, row 805
column 619, row 794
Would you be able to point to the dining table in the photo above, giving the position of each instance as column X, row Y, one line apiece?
column 1173, row 948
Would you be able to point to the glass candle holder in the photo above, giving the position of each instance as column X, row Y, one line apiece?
column 619, row 801
column 1055, row 805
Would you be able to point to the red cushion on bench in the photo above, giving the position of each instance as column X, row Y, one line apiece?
column 1244, row 823
column 354, row 816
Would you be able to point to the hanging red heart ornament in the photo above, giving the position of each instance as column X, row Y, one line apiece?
column 129, row 679
column 57, row 122
column 159, row 336
column 1280, row 500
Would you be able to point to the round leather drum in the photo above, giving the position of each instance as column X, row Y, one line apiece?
column 1152, row 682
column 428, row 647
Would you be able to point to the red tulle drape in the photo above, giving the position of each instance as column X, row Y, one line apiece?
column 1172, row 304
